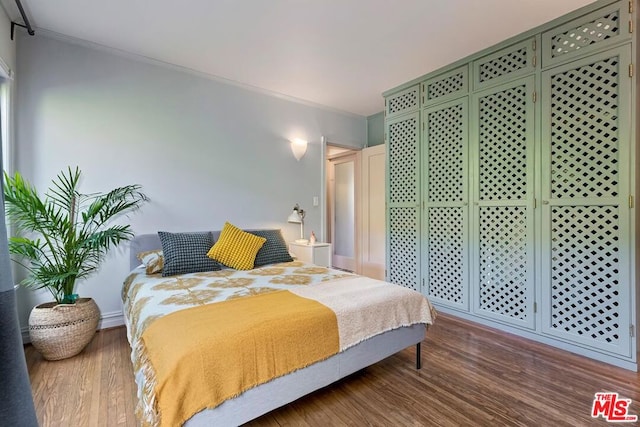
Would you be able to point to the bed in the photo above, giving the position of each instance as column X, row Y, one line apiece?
column 363, row 336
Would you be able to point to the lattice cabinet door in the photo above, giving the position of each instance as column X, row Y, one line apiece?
column 445, row 87
column 445, row 258
column 506, row 64
column 597, row 30
column 586, row 155
column 403, row 102
column 503, row 144
column 403, row 257
column 403, row 198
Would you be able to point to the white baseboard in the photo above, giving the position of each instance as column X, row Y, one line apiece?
column 107, row 320
column 111, row 320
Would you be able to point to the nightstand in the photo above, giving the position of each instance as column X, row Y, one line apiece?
column 317, row 253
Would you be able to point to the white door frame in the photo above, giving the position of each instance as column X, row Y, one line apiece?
column 367, row 267
column 322, row 237
column 352, row 263
column 324, row 207
column 323, row 190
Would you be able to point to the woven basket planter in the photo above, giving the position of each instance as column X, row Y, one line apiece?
column 59, row 331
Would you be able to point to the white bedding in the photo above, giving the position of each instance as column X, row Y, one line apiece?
column 365, row 307
column 359, row 302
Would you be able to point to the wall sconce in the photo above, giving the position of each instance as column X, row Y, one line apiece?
column 297, row 217
column 298, row 147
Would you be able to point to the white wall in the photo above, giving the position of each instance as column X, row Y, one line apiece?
column 7, row 46
column 8, row 59
column 204, row 151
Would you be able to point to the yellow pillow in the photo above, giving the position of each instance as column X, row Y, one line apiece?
column 236, row 248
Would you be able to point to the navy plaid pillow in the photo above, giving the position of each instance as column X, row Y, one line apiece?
column 274, row 249
column 186, row 252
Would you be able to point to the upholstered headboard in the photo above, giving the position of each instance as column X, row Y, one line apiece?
column 141, row 243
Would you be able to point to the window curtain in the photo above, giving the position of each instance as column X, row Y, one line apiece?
column 16, row 401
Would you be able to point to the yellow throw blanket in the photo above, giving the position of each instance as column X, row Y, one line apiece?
column 202, row 356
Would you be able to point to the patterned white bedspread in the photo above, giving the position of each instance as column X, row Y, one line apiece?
column 149, row 297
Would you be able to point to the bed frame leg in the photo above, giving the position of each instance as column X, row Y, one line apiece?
column 418, row 358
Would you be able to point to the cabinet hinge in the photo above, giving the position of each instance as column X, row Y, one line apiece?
column 535, row 203
column 423, row 282
column 533, row 44
column 631, row 201
column 534, row 61
column 630, row 70
column 630, row 26
column 632, row 331
column 535, row 307
column 535, row 96
column 630, row 6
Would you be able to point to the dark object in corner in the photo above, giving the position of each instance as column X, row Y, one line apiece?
column 26, row 25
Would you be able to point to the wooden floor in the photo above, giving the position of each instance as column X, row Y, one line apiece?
column 471, row 376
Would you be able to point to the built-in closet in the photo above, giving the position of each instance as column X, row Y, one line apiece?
column 511, row 184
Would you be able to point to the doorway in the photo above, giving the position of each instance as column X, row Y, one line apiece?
column 373, row 226
column 343, row 180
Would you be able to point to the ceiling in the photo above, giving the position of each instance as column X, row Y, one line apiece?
column 340, row 54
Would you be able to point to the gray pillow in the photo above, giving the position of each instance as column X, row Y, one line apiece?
column 186, row 252
column 274, row 249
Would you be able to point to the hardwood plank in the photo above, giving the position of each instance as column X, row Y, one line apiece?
column 95, row 377
column 105, row 390
column 73, row 392
column 471, row 376
column 79, row 386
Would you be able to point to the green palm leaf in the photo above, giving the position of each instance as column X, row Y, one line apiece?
column 65, row 235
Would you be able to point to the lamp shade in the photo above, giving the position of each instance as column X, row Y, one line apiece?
column 297, row 217
column 298, row 147
column 294, row 217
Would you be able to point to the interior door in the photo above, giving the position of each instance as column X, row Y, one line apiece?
column 403, row 206
column 586, row 283
column 445, row 168
column 502, row 141
column 373, row 219
column 343, row 182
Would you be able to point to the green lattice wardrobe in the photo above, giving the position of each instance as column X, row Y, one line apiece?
column 511, row 184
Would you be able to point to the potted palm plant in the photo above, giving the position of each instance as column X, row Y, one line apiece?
column 61, row 239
